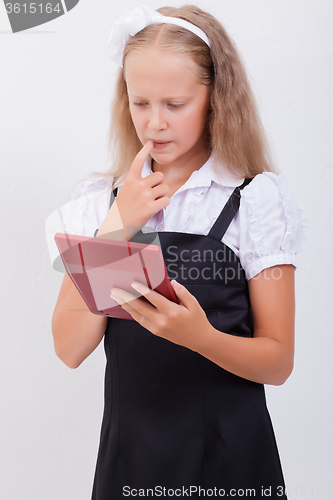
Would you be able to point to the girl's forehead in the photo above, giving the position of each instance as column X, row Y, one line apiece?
column 159, row 56
column 158, row 64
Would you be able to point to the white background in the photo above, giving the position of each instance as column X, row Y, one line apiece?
column 56, row 85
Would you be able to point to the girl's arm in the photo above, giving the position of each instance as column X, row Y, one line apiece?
column 76, row 330
column 266, row 358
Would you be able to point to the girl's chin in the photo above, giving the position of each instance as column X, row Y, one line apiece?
column 161, row 159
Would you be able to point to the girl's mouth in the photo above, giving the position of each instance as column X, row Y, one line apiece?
column 161, row 145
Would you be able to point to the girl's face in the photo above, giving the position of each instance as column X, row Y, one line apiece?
column 168, row 105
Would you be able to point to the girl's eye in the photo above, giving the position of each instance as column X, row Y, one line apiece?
column 171, row 104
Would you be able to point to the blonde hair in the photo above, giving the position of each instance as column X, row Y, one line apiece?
column 233, row 128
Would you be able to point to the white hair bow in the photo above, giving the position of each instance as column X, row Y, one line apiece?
column 130, row 23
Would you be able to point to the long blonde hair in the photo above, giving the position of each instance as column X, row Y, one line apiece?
column 233, row 129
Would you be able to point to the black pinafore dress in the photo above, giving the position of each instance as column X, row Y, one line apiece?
column 175, row 423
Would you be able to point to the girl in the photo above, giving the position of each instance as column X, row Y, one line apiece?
column 185, row 411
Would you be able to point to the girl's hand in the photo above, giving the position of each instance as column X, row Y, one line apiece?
column 140, row 198
column 185, row 324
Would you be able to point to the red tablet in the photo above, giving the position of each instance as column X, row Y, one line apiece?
column 96, row 265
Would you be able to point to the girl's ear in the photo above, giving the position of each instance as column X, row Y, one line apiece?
column 210, row 91
column 210, row 108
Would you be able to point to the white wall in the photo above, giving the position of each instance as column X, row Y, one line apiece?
column 56, row 83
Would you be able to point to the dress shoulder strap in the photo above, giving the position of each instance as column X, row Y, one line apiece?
column 228, row 213
column 113, row 196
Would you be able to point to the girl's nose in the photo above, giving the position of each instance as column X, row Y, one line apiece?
column 156, row 119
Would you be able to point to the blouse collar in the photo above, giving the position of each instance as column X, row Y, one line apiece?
column 204, row 176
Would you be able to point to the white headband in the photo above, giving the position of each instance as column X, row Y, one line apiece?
column 130, row 23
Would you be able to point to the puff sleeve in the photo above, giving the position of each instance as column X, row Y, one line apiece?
column 88, row 205
column 84, row 212
column 271, row 224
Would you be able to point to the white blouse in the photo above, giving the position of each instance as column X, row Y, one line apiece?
column 268, row 229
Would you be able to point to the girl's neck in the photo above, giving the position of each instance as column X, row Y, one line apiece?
column 177, row 173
